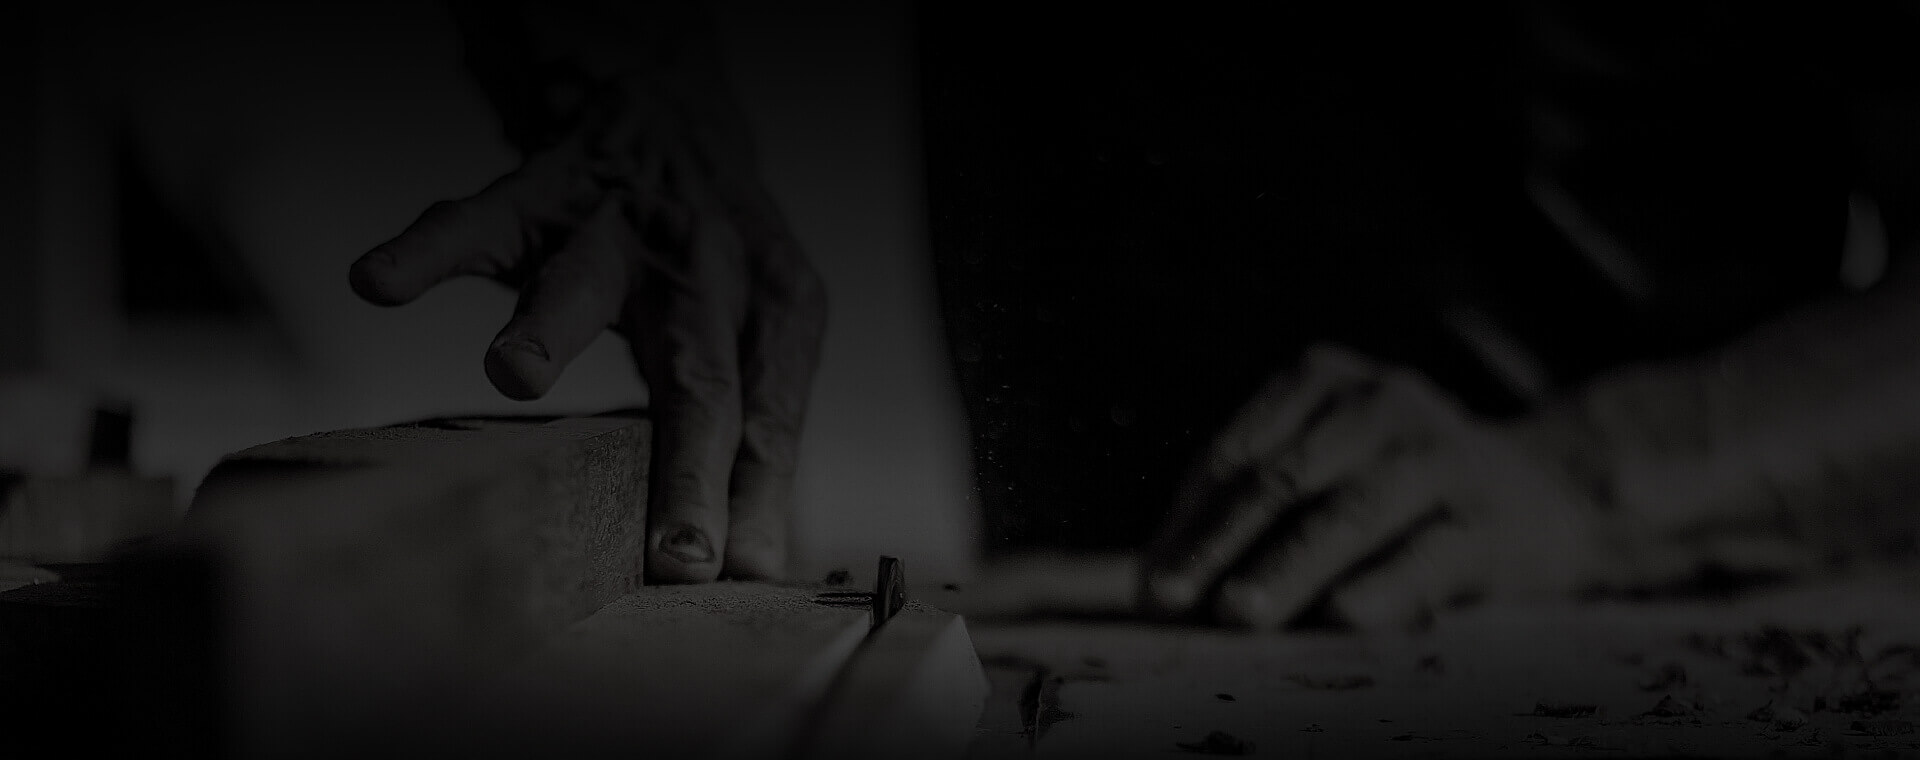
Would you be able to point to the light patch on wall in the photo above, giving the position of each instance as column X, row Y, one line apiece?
column 1863, row 258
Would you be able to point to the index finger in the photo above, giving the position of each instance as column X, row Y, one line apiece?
column 778, row 354
column 686, row 341
column 1232, row 491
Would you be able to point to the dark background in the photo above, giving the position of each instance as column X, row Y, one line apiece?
column 1140, row 215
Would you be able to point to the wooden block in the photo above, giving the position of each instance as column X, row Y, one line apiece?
column 470, row 587
column 372, row 573
column 914, row 689
column 741, row 670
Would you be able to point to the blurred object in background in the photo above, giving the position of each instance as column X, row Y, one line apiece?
column 68, row 492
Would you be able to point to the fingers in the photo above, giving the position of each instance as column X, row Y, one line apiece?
column 689, row 354
column 1294, row 569
column 1438, row 568
column 728, row 392
column 779, row 352
column 1179, row 571
column 1218, row 527
column 697, row 412
column 488, row 234
column 632, row 140
column 784, row 321
column 1220, row 474
column 578, row 293
column 1279, row 411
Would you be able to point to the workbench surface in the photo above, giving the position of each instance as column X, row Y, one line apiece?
column 1826, row 669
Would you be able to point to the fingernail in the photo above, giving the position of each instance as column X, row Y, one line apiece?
column 368, row 278
column 687, row 544
column 522, row 344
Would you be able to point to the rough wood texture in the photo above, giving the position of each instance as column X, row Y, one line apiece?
column 372, row 573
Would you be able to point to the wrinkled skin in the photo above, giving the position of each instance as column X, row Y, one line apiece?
column 646, row 218
column 1367, row 488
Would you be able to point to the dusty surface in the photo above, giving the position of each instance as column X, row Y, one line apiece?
column 739, row 670
column 713, row 669
column 1814, row 671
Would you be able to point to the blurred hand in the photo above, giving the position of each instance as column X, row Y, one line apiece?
column 1367, row 488
column 645, row 221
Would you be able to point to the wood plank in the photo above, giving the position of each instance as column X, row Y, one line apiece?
column 914, row 689
column 716, row 670
column 471, row 587
column 372, row 573
column 731, row 670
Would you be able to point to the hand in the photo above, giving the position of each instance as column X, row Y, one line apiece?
column 629, row 224
column 1367, row 488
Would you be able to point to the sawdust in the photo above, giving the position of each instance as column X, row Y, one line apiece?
column 1556, row 710
column 1780, row 719
column 1669, row 707
column 1820, row 670
column 1881, row 727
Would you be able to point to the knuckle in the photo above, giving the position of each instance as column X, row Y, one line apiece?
column 771, row 439
column 700, row 388
column 772, row 457
column 706, row 380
